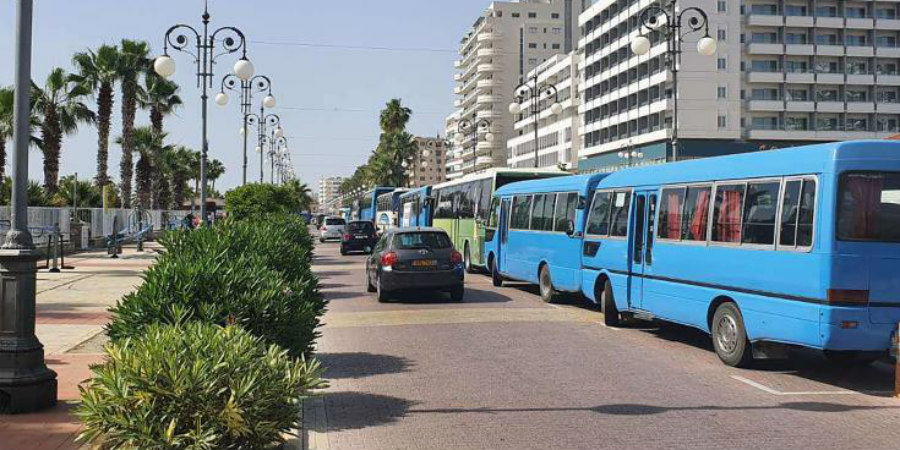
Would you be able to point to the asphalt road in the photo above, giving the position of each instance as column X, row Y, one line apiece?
column 503, row 370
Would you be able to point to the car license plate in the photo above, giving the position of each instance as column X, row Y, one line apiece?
column 360, row 236
column 424, row 263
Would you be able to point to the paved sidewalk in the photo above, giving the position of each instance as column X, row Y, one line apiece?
column 71, row 312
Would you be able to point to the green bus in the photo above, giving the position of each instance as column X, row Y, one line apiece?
column 462, row 206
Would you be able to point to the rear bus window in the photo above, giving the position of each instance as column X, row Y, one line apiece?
column 727, row 213
column 429, row 239
column 598, row 222
column 670, row 211
column 869, row 207
column 334, row 221
column 797, row 211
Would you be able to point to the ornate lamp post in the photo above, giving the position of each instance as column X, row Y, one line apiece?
column 259, row 83
column 232, row 40
column 263, row 121
column 630, row 154
column 535, row 92
column 468, row 126
column 674, row 25
column 26, row 384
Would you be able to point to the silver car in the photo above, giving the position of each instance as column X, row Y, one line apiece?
column 333, row 228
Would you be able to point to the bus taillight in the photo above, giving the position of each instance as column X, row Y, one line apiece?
column 848, row 296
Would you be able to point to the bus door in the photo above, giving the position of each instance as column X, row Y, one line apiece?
column 641, row 245
column 503, row 226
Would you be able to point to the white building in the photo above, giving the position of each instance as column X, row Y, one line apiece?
column 555, row 131
column 505, row 42
column 428, row 166
column 328, row 194
column 786, row 72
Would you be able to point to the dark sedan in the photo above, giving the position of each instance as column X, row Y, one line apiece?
column 359, row 236
column 415, row 259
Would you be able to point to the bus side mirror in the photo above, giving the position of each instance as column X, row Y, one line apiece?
column 570, row 227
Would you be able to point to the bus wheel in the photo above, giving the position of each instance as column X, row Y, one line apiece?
column 548, row 294
column 496, row 278
column 467, row 259
column 608, row 306
column 729, row 336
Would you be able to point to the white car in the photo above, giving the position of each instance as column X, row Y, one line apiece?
column 333, row 228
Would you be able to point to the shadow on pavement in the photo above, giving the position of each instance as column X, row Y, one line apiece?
column 354, row 410
column 330, row 273
column 473, row 295
column 361, row 364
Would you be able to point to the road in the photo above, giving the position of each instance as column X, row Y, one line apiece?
column 503, row 370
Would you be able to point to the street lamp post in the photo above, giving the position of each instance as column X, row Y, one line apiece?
column 26, row 384
column 630, row 154
column 469, row 126
column 232, row 40
column 259, row 83
column 262, row 122
column 532, row 90
column 674, row 25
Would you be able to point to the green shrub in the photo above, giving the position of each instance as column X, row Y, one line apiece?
column 256, row 200
column 194, row 386
column 255, row 273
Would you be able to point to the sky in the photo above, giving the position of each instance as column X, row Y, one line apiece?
column 333, row 65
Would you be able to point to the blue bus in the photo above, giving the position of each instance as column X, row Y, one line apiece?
column 415, row 208
column 368, row 203
column 541, row 223
column 386, row 207
column 799, row 246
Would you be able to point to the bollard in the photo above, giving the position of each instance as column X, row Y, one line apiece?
column 54, row 268
column 62, row 255
column 895, row 352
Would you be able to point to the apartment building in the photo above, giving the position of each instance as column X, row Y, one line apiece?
column 556, row 146
column 328, row 194
column 504, row 43
column 428, row 166
column 786, row 72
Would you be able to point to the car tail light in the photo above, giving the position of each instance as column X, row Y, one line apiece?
column 388, row 259
column 456, row 257
column 347, row 237
column 848, row 296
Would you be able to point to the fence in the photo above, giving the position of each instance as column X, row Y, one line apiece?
column 43, row 220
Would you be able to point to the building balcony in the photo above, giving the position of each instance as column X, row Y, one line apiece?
column 488, row 36
column 458, row 90
column 887, row 108
column 830, row 106
column 758, row 48
column 484, row 161
column 457, row 63
column 888, row 80
column 887, row 24
column 865, row 107
column 798, row 21
column 488, row 114
column 488, row 84
column 887, row 52
column 861, row 51
column 799, row 106
column 829, row 50
column 457, row 76
column 830, row 78
column 799, row 49
column 489, row 67
column 489, row 52
column 765, row 20
column 799, row 77
column 489, row 98
column 765, row 105
column 458, row 103
column 860, row 79
column 860, row 23
column 830, row 22
column 765, row 77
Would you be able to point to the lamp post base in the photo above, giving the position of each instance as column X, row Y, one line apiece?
column 26, row 384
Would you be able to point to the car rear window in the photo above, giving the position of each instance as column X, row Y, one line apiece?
column 334, row 221
column 869, row 207
column 359, row 226
column 425, row 239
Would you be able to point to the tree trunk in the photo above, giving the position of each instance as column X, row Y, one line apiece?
column 104, row 114
column 156, row 121
column 2, row 158
column 126, row 167
column 52, row 135
column 143, row 172
column 164, row 201
column 178, row 190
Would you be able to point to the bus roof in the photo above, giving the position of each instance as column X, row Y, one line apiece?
column 554, row 184
column 499, row 171
column 415, row 192
column 807, row 159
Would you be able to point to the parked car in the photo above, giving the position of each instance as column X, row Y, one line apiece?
column 415, row 259
column 333, row 228
column 359, row 235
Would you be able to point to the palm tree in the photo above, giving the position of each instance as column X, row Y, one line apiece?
column 179, row 163
column 394, row 116
column 99, row 70
column 214, row 170
column 160, row 96
column 60, row 104
column 301, row 193
column 133, row 61
column 7, row 100
column 88, row 195
column 149, row 145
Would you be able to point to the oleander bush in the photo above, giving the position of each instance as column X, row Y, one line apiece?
column 194, row 385
column 260, row 199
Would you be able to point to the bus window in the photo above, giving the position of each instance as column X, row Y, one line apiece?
column 537, row 213
column 520, row 213
column 670, row 211
column 869, row 207
column 696, row 213
column 598, row 221
column 807, row 213
column 484, row 200
column 618, row 214
column 638, row 238
column 797, row 213
column 727, row 213
column 759, row 213
column 493, row 218
column 565, row 211
column 651, row 223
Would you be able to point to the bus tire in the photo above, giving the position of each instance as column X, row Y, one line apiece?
column 545, row 283
column 467, row 259
column 608, row 306
column 730, row 337
column 496, row 278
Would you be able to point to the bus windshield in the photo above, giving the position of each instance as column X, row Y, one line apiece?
column 869, row 207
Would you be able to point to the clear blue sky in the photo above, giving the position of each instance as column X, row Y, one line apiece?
column 325, row 78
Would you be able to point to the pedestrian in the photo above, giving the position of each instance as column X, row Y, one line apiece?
column 188, row 221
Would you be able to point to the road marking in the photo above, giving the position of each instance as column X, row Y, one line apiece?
column 772, row 391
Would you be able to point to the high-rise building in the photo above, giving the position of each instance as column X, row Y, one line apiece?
column 427, row 167
column 328, row 194
column 785, row 73
column 506, row 41
column 556, row 148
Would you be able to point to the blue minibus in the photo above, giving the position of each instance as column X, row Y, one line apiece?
column 798, row 246
column 415, row 208
column 386, row 209
column 539, row 225
column 368, row 203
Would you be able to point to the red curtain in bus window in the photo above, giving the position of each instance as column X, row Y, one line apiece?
column 866, row 193
column 728, row 226
column 698, row 221
column 673, row 215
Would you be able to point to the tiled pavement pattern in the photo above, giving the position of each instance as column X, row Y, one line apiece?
column 505, row 371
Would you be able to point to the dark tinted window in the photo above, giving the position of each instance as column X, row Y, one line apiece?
column 807, row 213
column 598, row 222
column 790, row 206
column 443, row 208
column 759, row 213
column 521, row 212
column 727, row 213
column 565, row 210
column 537, row 218
column 484, row 199
column 695, row 219
column 359, row 226
column 334, row 222
column 467, row 196
column 618, row 213
column 425, row 239
column 869, row 207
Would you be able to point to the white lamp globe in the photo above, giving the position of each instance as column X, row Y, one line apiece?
column 459, row 138
column 164, row 66
column 489, row 136
column 404, row 164
column 556, row 108
column 621, row 154
column 258, row 149
column 515, row 108
column 706, row 46
column 241, row 132
column 269, row 101
column 640, row 45
column 221, row 99
column 279, row 132
column 426, row 153
column 424, row 164
column 243, row 69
